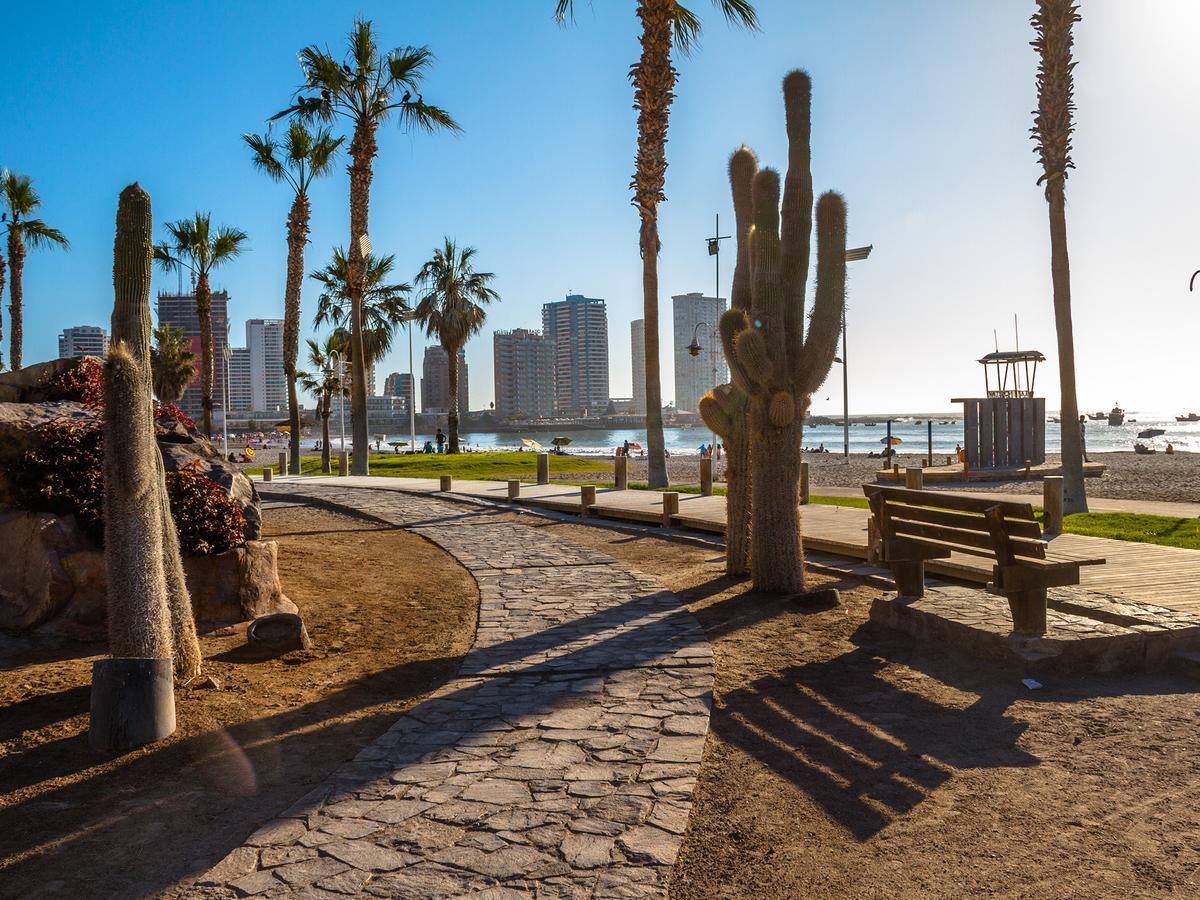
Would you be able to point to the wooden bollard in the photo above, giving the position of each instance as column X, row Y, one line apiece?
column 706, row 464
column 543, row 468
column 804, row 483
column 444, row 483
column 283, row 464
column 670, row 507
column 872, row 542
column 895, row 468
column 621, row 473
column 343, row 463
column 1052, row 503
column 587, row 499
column 914, row 479
column 514, row 488
column 267, row 473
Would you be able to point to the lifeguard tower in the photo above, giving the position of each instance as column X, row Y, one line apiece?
column 1006, row 429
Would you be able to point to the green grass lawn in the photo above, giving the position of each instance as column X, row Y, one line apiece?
column 497, row 465
column 1166, row 530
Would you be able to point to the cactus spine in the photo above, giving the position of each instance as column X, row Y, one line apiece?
column 772, row 362
column 149, row 609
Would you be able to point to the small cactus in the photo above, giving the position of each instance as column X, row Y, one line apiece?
column 149, row 608
column 773, row 364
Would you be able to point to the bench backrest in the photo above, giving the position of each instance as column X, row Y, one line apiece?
column 981, row 526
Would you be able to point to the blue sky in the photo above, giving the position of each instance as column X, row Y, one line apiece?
column 921, row 117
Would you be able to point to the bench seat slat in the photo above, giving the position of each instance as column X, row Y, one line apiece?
column 960, row 502
column 1028, row 562
column 1021, row 547
column 1014, row 527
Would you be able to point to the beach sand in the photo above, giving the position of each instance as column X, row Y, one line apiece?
column 1129, row 476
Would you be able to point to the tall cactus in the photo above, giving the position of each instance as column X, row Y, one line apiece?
column 150, row 610
column 771, row 359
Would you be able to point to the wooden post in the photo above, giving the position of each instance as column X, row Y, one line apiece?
column 343, row 463
column 587, row 499
column 895, row 468
column 706, row 464
column 133, row 703
column 267, row 473
column 514, row 488
column 670, row 507
column 444, row 483
column 872, row 542
column 804, row 483
column 543, row 468
column 621, row 474
column 283, row 464
column 914, row 479
column 1052, row 503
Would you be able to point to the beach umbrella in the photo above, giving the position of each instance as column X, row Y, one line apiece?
column 634, row 446
column 561, row 441
column 891, row 441
column 532, row 444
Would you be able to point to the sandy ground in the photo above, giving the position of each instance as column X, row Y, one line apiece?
column 1129, row 476
column 76, row 824
column 847, row 761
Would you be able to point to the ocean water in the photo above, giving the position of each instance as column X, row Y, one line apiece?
column 947, row 434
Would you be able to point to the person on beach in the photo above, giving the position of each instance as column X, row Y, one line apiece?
column 441, row 439
column 625, row 448
column 1083, row 437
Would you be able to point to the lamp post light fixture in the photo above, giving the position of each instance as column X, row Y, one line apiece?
column 854, row 255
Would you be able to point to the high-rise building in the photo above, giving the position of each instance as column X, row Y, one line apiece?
column 524, row 367
column 579, row 327
column 435, row 381
column 179, row 311
column 399, row 384
column 82, row 340
column 268, row 384
column 241, row 392
column 694, row 374
column 637, row 347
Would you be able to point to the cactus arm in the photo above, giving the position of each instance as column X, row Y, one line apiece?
column 830, row 298
column 797, row 205
column 743, row 165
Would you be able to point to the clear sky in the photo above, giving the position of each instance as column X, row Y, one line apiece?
column 921, row 118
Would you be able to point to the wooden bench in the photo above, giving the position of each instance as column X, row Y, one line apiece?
column 914, row 526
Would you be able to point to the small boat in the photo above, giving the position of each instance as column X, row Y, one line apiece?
column 1190, row 417
column 1151, row 432
column 1098, row 417
column 1116, row 416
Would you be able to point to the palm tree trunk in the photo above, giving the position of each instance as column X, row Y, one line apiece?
column 452, row 408
column 777, row 557
column 653, row 80
column 16, row 259
column 326, row 468
column 3, row 268
column 204, row 314
column 362, row 151
column 1074, row 494
column 297, row 235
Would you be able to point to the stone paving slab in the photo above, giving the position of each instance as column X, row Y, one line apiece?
column 560, row 762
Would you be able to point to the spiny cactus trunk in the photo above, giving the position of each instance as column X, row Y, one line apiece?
column 362, row 152
column 132, row 456
column 297, row 236
column 738, row 486
column 204, row 315
column 16, row 330
column 452, row 404
column 777, row 561
column 653, row 79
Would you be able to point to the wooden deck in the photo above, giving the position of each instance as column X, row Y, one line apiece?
column 1165, row 576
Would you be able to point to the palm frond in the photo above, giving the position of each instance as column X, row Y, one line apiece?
column 407, row 66
column 563, row 10
column 263, row 149
column 38, row 235
column 422, row 116
column 739, row 12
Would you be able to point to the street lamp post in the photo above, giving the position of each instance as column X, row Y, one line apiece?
column 854, row 255
column 694, row 349
column 341, row 373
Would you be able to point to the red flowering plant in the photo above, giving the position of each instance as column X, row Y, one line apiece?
column 208, row 520
column 83, row 383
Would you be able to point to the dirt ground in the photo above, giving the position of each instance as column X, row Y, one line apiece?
column 849, row 761
column 73, row 824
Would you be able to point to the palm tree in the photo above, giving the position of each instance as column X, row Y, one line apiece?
column 384, row 304
column 452, row 309
column 200, row 249
column 1051, row 130
column 323, row 382
column 365, row 88
column 304, row 156
column 172, row 363
column 19, row 200
column 664, row 22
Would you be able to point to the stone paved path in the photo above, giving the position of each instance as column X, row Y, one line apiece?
column 559, row 763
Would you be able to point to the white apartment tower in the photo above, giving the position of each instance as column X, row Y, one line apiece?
column 637, row 346
column 694, row 375
column 579, row 327
column 268, row 385
column 82, row 340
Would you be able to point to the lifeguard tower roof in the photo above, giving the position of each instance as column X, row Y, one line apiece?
column 1011, row 356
